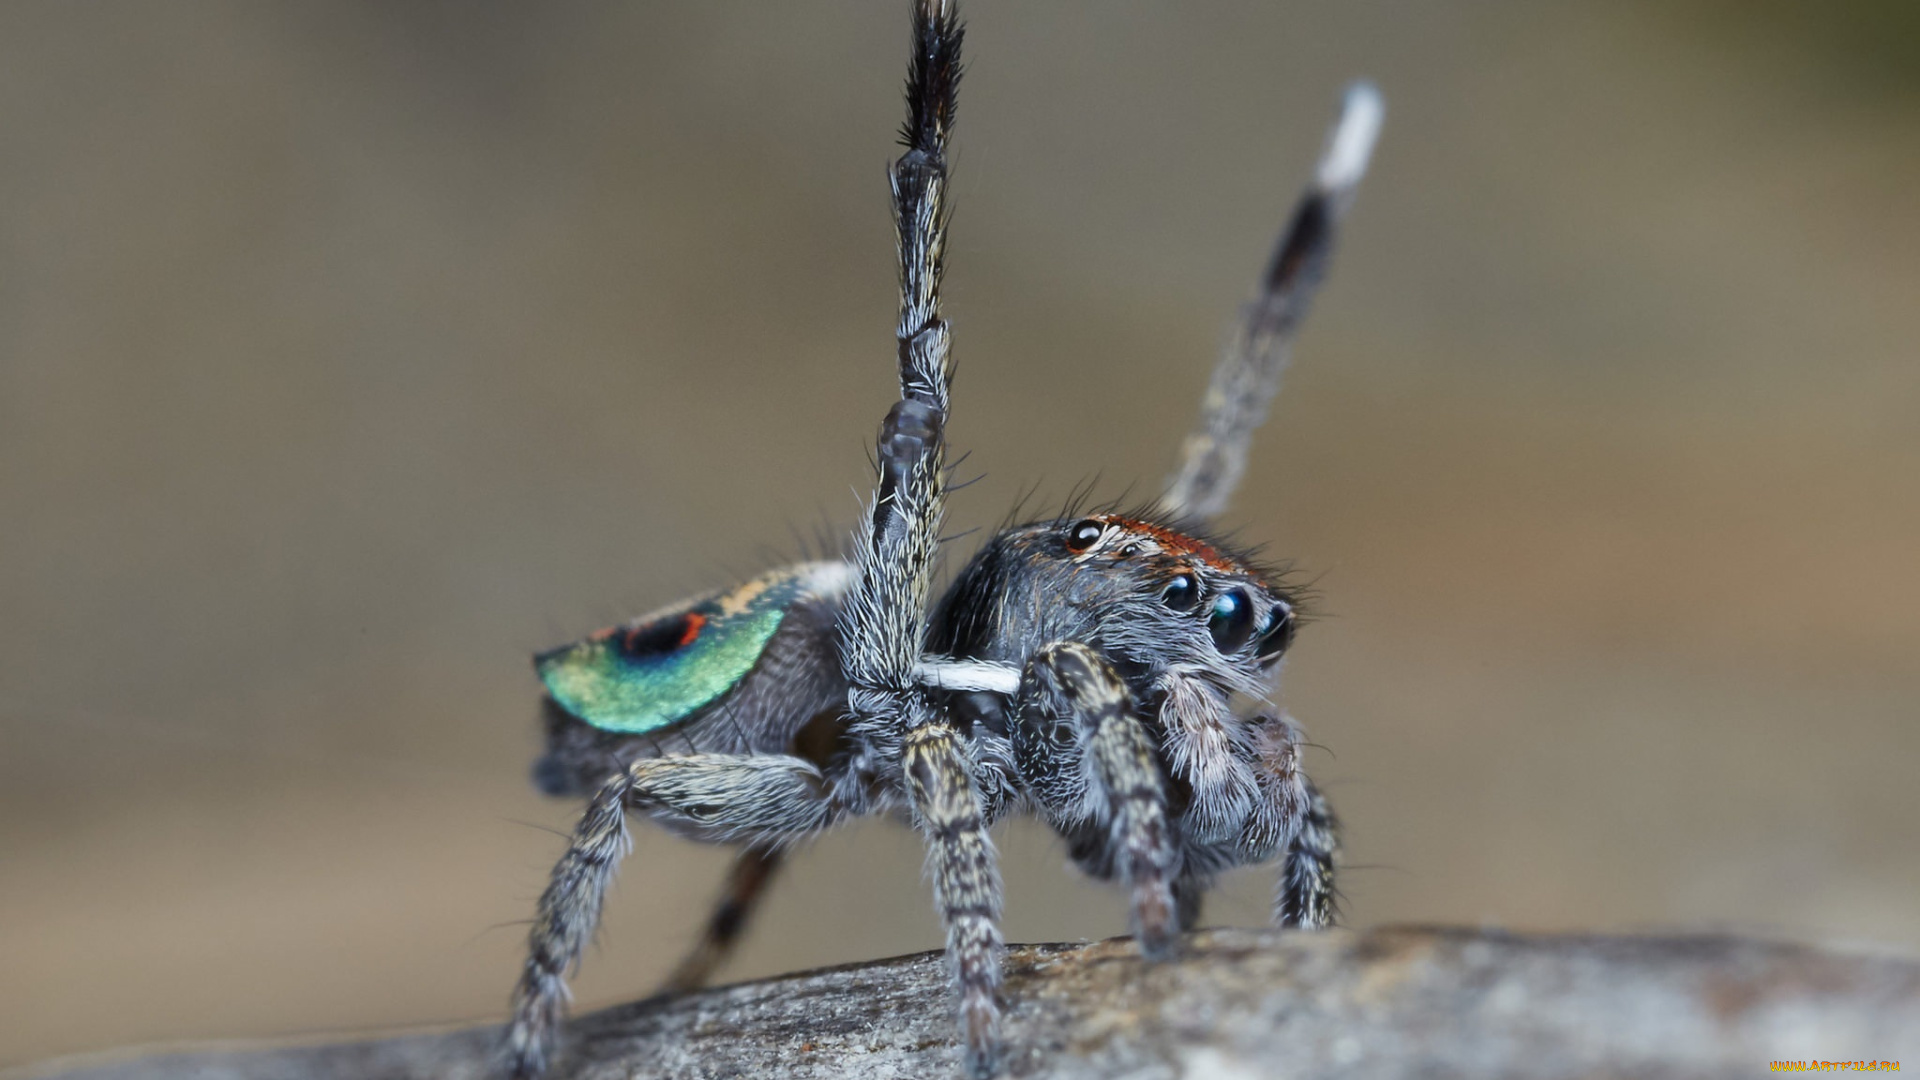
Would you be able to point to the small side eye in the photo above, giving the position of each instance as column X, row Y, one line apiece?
column 1232, row 622
column 1082, row 534
column 1182, row 593
column 1277, row 634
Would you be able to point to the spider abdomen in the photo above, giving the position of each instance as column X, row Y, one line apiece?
column 740, row 670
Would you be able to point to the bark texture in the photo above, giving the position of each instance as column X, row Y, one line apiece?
column 1236, row 1005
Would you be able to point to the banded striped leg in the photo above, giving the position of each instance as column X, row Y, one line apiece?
column 746, row 882
column 966, row 881
column 883, row 625
column 1305, row 896
column 1294, row 820
column 765, row 799
column 1069, row 686
column 1248, row 372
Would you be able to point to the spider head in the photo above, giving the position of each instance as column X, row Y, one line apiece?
column 1152, row 596
column 1203, row 604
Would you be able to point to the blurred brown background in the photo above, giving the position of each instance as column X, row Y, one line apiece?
column 349, row 353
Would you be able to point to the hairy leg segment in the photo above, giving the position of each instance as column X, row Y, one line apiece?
column 1077, row 720
column 883, row 626
column 766, row 800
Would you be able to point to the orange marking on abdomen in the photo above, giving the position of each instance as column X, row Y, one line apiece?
column 695, row 621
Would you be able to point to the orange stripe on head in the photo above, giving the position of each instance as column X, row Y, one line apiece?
column 1178, row 543
column 695, row 621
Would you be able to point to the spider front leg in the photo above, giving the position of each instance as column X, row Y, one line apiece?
column 1306, row 897
column 1293, row 819
column 766, row 800
column 1250, row 802
column 1090, row 761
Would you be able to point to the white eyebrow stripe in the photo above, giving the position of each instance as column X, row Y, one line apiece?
column 944, row 674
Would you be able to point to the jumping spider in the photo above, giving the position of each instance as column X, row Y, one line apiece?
column 1083, row 669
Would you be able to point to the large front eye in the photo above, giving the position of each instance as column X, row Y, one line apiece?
column 1232, row 622
column 1277, row 634
column 1083, row 534
column 1182, row 593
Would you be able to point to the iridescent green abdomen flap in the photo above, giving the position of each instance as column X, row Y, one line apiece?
column 663, row 668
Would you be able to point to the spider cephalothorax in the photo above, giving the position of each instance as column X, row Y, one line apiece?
column 1152, row 597
column 1177, row 625
column 1109, row 672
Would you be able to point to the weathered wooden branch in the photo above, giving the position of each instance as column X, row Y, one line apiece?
column 1238, row 1005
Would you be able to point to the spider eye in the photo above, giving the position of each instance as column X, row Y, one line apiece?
column 1232, row 622
column 1182, row 593
column 1082, row 534
column 1277, row 634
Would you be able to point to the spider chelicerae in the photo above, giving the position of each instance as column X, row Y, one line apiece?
column 1085, row 668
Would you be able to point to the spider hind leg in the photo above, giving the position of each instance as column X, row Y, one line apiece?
column 753, row 869
column 769, row 800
